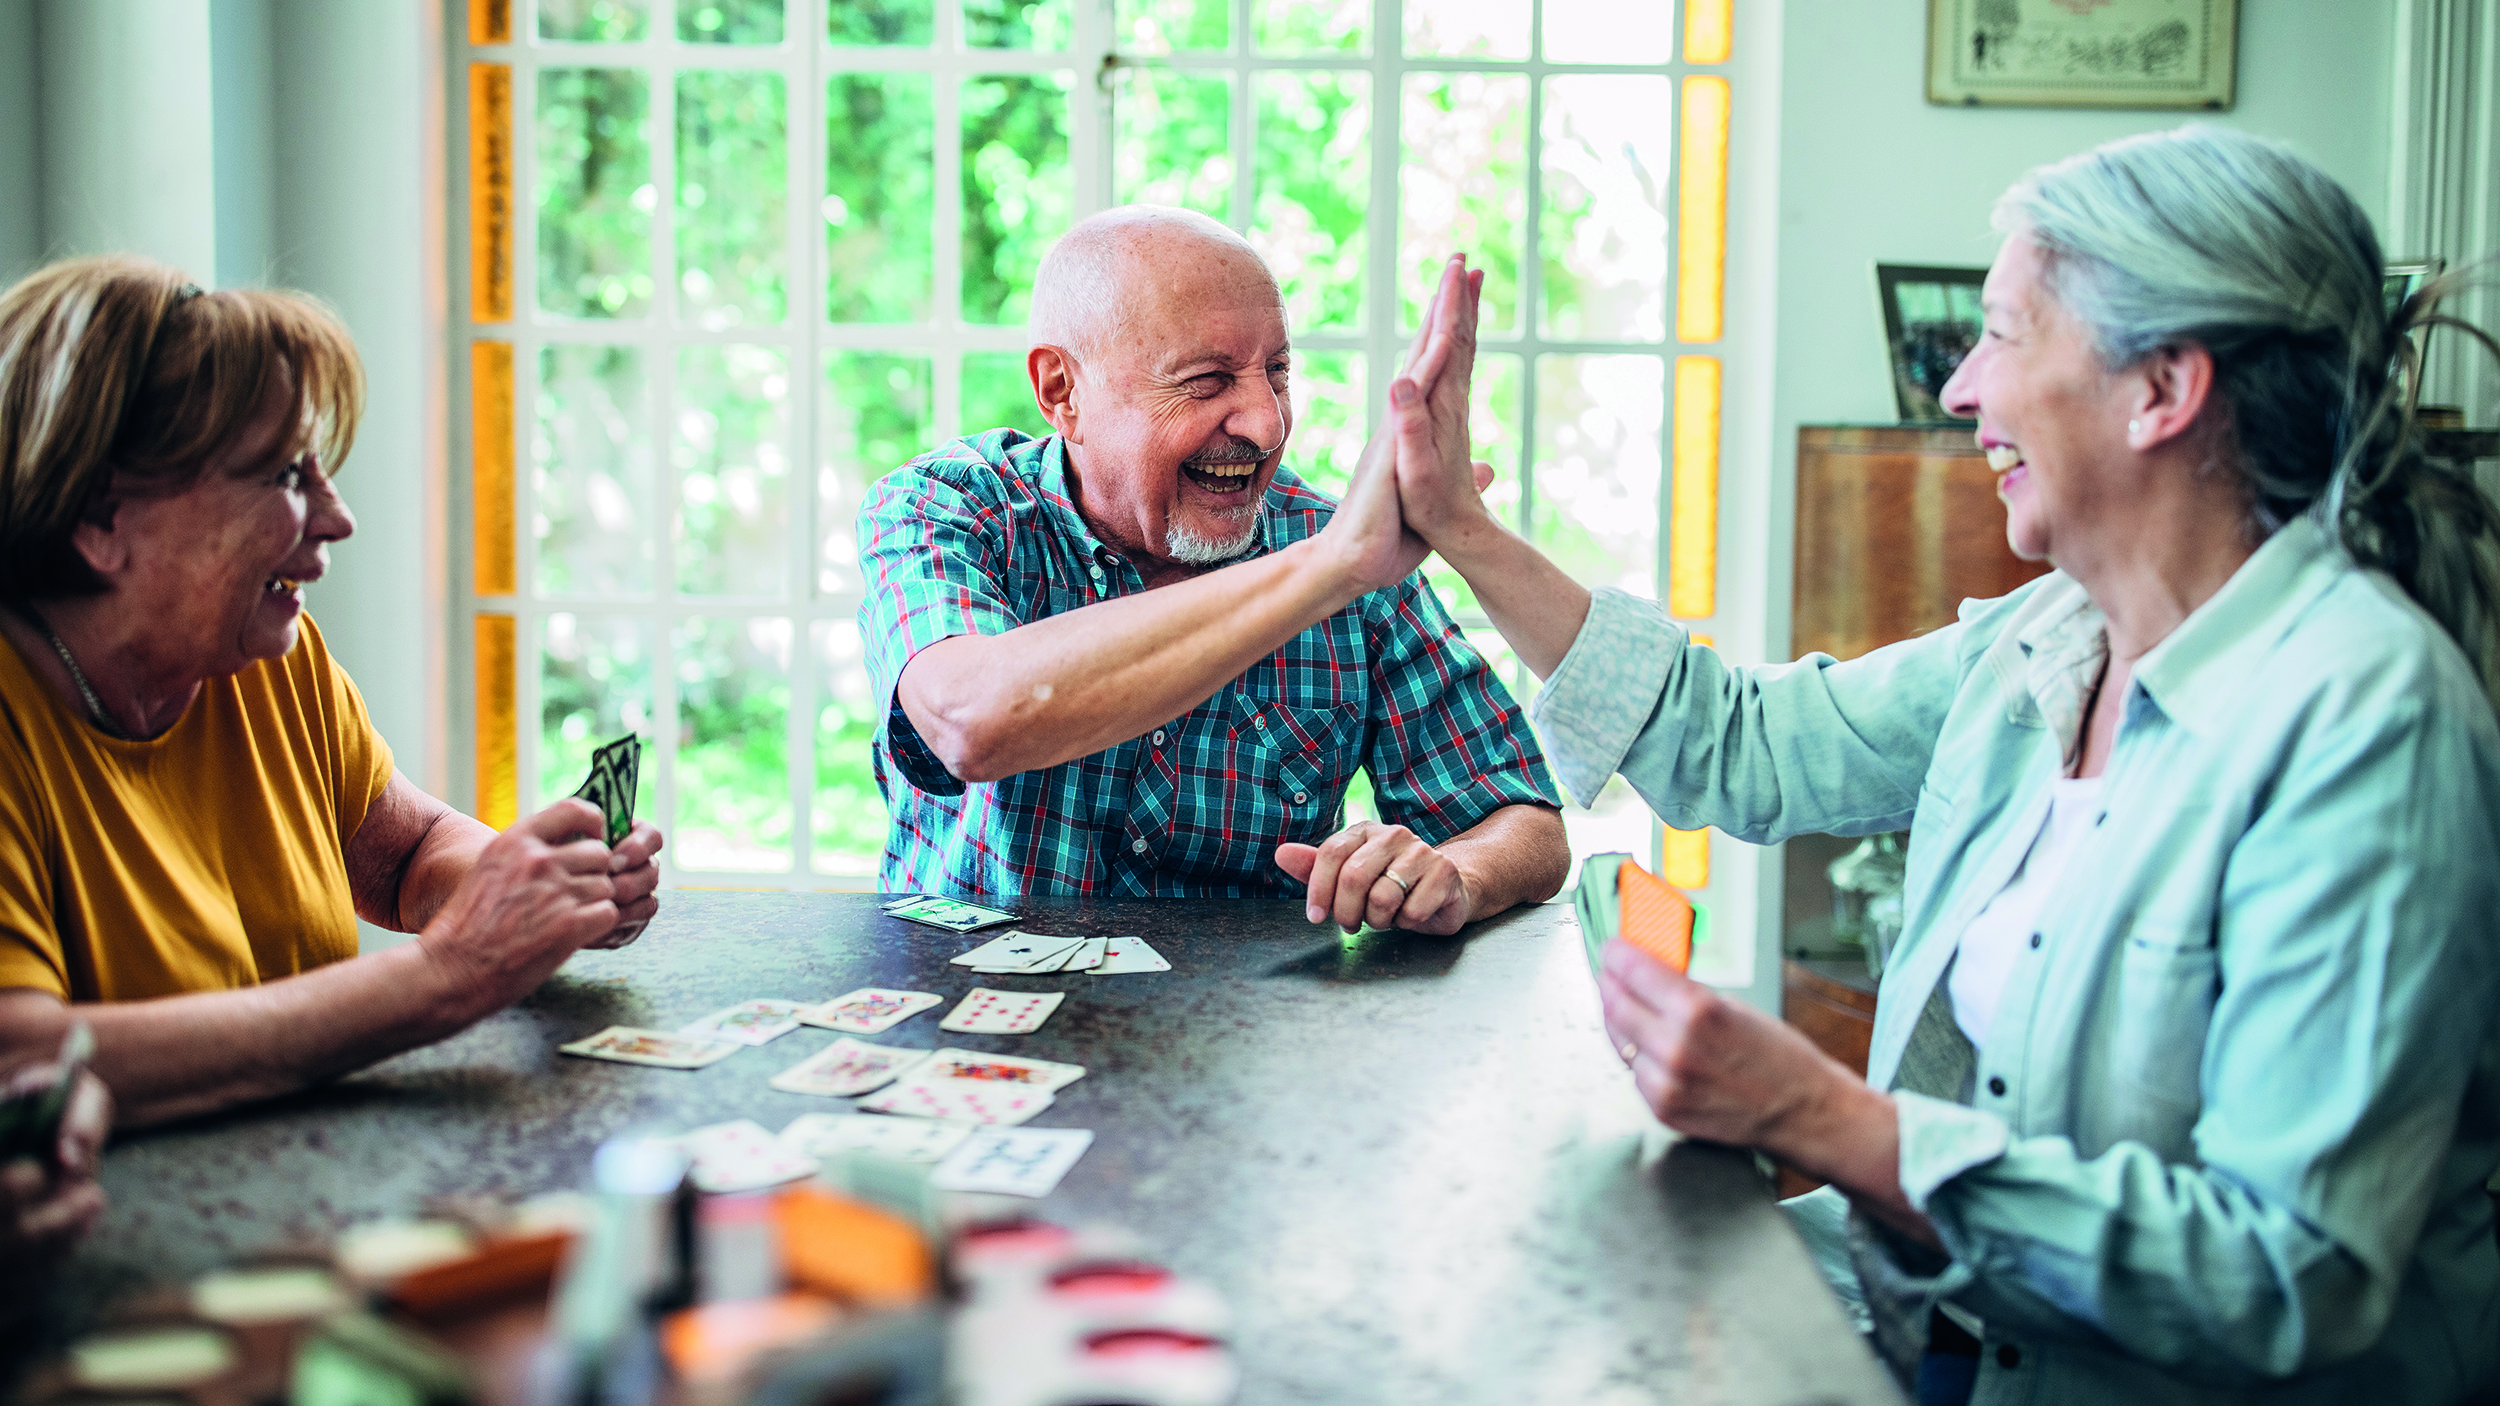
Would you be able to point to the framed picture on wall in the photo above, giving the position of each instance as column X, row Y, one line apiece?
column 1931, row 321
column 2406, row 277
column 2082, row 53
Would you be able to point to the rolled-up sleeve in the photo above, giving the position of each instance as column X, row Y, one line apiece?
column 933, row 555
column 1764, row 753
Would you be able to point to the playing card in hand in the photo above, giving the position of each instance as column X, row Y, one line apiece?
column 870, row 1009
column 1012, row 1162
column 846, row 1067
column 959, row 1100
column 627, row 1045
column 749, row 1022
column 901, row 1139
column 986, row 1012
column 741, row 1156
column 615, row 775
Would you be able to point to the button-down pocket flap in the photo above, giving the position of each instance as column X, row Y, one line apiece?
column 1290, row 728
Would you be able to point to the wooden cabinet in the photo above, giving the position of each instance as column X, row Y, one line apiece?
column 1897, row 525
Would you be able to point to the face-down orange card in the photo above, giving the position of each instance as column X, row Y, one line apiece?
column 1655, row 918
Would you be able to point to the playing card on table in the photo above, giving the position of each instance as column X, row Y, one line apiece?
column 959, row 1100
column 901, row 1139
column 1013, row 951
column 1013, row 1162
column 749, row 1022
column 846, row 1067
column 950, row 914
column 870, row 1009
column 1087, row 956
column 741, row 1156
column 627, row 1045
column 987, row 1012
column 1047, row 1075
column 1131, row 954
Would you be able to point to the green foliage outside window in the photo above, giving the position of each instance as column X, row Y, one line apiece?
column 594, row 192
column 1015, row 189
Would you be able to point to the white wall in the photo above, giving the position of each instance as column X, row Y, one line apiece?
column 21, row 160
column 126, row 139
column 1868, row 172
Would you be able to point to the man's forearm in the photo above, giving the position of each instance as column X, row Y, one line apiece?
column 1518, row 854
column 1071, row 685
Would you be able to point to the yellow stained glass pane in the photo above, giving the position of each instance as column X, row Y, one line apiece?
column 1705, row 641
column 1701, row 212
column 490, row 468
column 1693, row 511
column 490, row 21
column 1686, row 860
column 498, row 734
column 490, row 192
column 1708, row 30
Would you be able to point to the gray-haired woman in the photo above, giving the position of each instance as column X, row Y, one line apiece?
column 2186, row 1072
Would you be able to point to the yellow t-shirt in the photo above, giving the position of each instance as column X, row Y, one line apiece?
column 206, row 859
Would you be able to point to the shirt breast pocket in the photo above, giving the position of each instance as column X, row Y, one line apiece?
column 1300, row 756
column 2169, row 976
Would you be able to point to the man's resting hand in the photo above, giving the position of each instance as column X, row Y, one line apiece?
column 1384, row 875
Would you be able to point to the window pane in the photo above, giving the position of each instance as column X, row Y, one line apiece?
column 595, row 21
column 1503, row 661
column 849, row 820
column 733, row 772
column 733, row 417
column 998, row 391
column 878, row 22
column 880, row 176
column 1174, row 26
column 593, row 472
column 1608, row 31
column 732, row 182
column 594, row 686
column 1312, row 26
column 1467, row 29
column 873, row 419
column 1493, row 418
column 729, row 21
column 1173, row 140
column 595, row 196
column 1607, row 155
column 1598, row 465
column 1016, row 24
column 1314, row 185
column 1329, row 415
column 1016, row 189
column 1463, row 187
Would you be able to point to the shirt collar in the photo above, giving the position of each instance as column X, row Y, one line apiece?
column 2198, row 674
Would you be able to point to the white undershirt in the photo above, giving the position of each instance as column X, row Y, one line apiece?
column 1995, row 940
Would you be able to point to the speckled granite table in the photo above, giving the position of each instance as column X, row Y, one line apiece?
column 1411, row 1163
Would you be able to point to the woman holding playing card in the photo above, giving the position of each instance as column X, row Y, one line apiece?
column 2186, row 1072
column 193, row 807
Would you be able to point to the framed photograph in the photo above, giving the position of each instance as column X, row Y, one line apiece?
column 2082, row 53
column 2404, row 278
column 1931, row 321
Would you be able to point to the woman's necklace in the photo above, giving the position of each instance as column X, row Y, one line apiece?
column 95, row 706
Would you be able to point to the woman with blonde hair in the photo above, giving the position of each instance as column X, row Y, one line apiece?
column 2185, row 1083
column 194, row 808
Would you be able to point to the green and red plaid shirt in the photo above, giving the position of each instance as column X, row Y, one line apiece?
column 981, row 536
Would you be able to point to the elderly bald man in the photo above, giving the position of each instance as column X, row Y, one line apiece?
column 1130, row 658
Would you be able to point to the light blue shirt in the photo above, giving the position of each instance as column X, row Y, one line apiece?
column 2231, row 1129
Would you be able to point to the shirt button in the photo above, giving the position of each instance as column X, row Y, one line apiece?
column 2009, row 1356
column 1137, row 846
column 1098, row 571
column 1300, row 797
column 2035, row 942
column 1159, row 742
column 1995, row 1085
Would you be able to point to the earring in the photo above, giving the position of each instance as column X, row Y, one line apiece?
column 2135, row 427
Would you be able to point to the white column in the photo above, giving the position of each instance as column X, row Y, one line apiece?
column 128, row 141
column 2443, row 195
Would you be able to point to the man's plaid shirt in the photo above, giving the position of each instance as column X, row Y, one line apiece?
column 982, row 535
